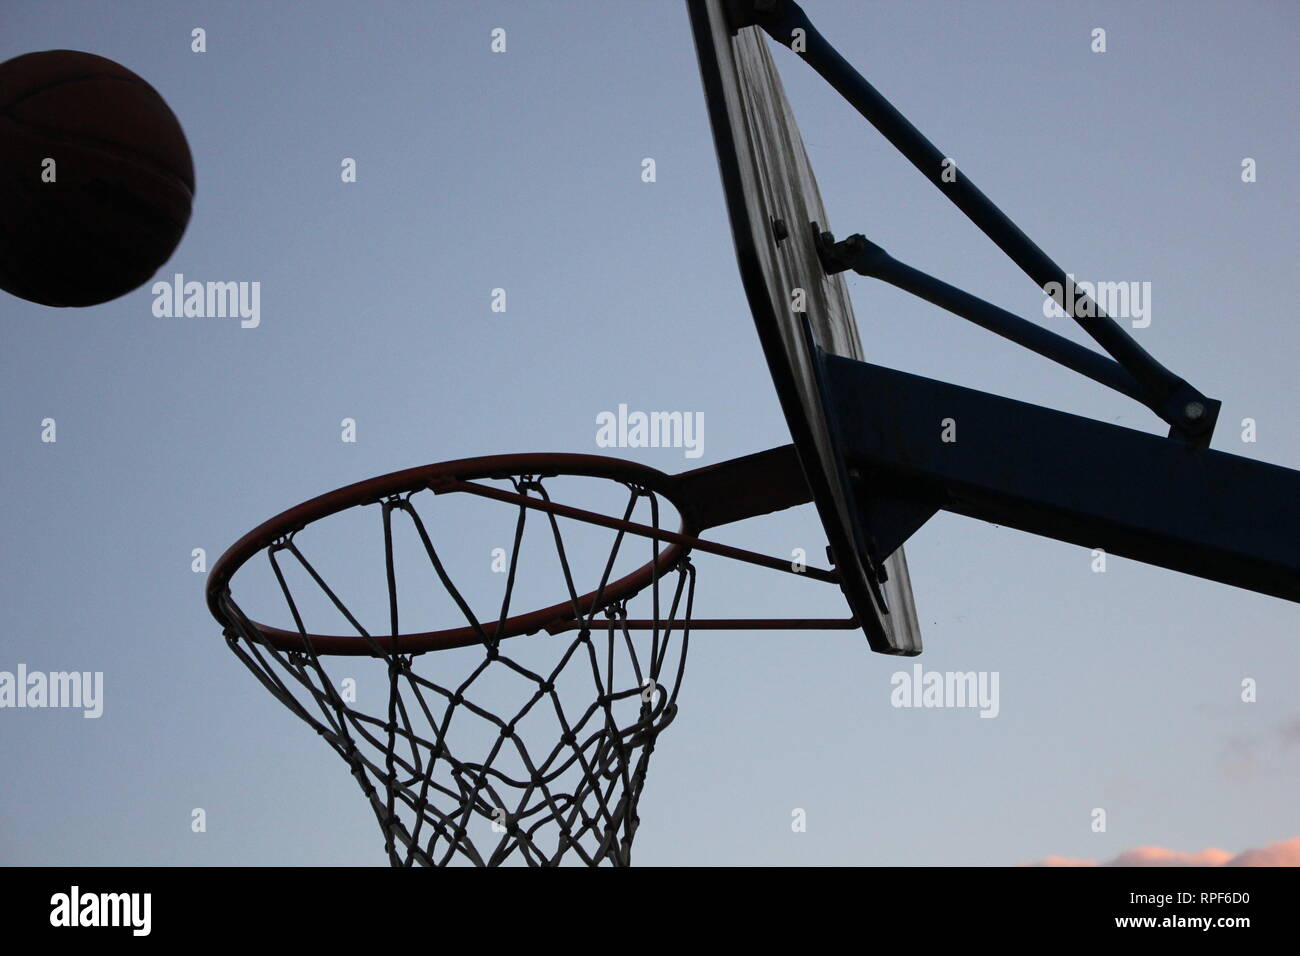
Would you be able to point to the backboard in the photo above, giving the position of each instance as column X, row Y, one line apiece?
column 772, row 200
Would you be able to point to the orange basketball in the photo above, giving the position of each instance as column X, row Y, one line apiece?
column 111, row 207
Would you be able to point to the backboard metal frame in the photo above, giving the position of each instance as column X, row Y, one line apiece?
column 799, row 310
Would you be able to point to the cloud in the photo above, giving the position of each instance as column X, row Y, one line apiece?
column 1159, row 856
column 1286, row 853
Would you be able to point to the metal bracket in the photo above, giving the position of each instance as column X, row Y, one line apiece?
column 748, row 13
column 1190, row 415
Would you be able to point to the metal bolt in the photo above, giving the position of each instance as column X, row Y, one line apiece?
column 779, row 229
column 1194, row 411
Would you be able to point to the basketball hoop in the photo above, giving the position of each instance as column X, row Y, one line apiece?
column 455, row 768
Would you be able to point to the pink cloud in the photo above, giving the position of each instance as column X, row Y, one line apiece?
column 1159, row 856
column 1285, row 853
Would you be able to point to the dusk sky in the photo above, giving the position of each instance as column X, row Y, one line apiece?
column 522, row 170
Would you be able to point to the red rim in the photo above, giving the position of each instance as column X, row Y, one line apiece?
column 223, row 607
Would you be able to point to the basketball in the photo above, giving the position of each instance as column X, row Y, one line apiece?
column 96, row 179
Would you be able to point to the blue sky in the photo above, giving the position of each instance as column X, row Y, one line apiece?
column 521, row 171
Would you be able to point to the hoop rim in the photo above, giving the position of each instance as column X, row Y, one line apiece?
column 222, row 606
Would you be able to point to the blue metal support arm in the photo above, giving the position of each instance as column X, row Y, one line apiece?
column 868, row 259
column 1189, row 413
column 1090, row 483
